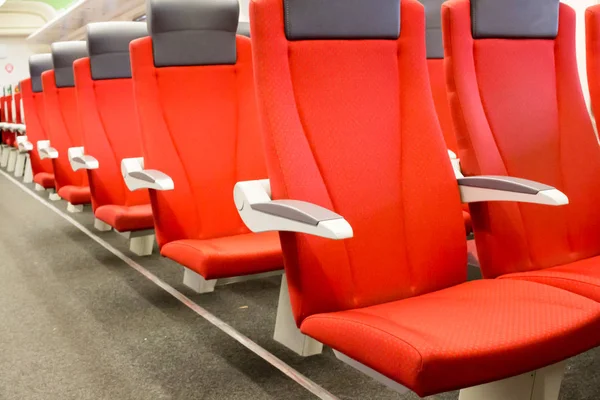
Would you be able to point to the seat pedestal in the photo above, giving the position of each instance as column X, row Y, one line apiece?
column 12, row 159
column 28, row 172
column 39, row 188
column 20, row 164
column 4, row 157
column 543, row 384
column 74, row 208
column 286, row 330
column 142, row 245
column 101, row 225
column 53, row 196
column 198, row 284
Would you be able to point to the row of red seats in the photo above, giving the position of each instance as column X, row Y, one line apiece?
column 335, row 102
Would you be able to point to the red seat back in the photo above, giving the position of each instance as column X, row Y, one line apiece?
column 516, row 97
column 194, row 91
column 592, row 37
column 110, row 126
column 63, row 120
column 349, row 124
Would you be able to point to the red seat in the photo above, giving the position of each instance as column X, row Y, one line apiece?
column 63, row 120
column 349, row 124
column 126, row 218
column 516, row 96
column 437, row 78
column 34, row 108
column 44, row 179
column 196, row 102
column 8, row 137
column 109, row 124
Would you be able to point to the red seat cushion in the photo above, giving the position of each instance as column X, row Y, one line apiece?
column 44, row 179
column 230, row 256
column 477, row 332
column 468, row 223
column 126, row 219
column 581, row 277
column 75, row 194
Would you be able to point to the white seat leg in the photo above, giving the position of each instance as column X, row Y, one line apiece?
column 543, row 384
column 74, row 208
column 12, row 159
column 286, row 330
column 53, row 196
column 28, row 172
column 142, row 245
column 20, row 164
column 4, row 157
column 197, row 283
column 39, row 188
column 101, row 225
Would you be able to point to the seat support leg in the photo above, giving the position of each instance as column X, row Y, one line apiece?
column 39, row 188
column 142, row 245
column 101, row 225
column 20, row 164
column 197, row 283
column 371, row 373
column 12, row 160
column 287, row 332
column 74, row 208
column 543, row 384
column 5, row 153
column 28, row 172
column 53, row 196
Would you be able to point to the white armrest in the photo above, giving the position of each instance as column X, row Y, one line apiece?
column 261, row 214
column 79, row 160
column 504, row 188
column 23, row 144
column 45, row 151
column 21, row 129
column 455, row 164
column 136, row 177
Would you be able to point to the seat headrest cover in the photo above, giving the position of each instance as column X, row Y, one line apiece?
column 108, row 47
column 516, row 19
column 39, row 63
column 193, row 32
column 435, row 43
column 63, row 56
column 342, row 19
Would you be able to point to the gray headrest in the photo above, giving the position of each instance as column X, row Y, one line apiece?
column 342, row 19
column 519, row 19
column 64, row 55
column 435, row 43
column 39, row 63
column 108, row 46
column 193, row 32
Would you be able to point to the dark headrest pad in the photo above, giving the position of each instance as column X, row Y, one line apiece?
column 518, row 19
column 108, row 46
column 64, row 55
column 342, row 19
column 39, row 63
column 435, row 43
column 193, row 32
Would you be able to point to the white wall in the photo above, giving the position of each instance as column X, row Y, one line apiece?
column 17, row 54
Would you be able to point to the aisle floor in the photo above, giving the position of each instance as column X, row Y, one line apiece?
column 77, row 322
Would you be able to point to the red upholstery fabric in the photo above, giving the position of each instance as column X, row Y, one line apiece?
column 75, row 194
column 519, row 108
column 126, row 218
column 200, row 126
column 502, row 331
column 581, row 277
column 437, row 78
column 227, row 256
column 64, row 131
column 44, row 179
column 35, row 116
column 111, row 133
column 350, row 140
column 17, row 111
column 8, row 137
column 592, row 38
